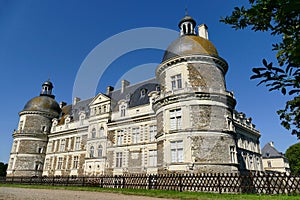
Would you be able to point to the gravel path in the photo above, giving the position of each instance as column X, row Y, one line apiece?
column 7, row 193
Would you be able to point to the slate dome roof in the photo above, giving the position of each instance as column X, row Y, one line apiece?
column 190, row 45
column 43, row 104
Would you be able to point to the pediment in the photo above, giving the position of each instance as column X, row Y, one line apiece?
column 100, row 98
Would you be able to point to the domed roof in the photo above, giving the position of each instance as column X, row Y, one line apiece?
column 187, row 18
column 49, row 83
column 43, row 104
column 190, row 45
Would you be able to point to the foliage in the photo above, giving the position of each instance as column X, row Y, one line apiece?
column 3, row 168
column 280, row 18
column 293, row 156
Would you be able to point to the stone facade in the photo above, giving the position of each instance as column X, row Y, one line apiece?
column 183, row 120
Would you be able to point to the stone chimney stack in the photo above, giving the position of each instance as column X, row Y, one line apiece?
column 203, row 31
column 124, row 85
column 109, row 89
column 76, row 100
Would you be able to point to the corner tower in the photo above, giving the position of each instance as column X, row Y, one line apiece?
column 194, row 110
column 30, row 139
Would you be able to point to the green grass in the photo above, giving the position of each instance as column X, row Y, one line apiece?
column 161, row 193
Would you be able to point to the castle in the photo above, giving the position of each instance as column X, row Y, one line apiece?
column 183, row 120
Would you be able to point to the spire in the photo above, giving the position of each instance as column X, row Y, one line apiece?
column 47, row 89
column 187, row 25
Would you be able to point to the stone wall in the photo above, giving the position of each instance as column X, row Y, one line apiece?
column 160, row 154
column 206, row 76
column 211, row 148
column 135, row 161
column 31, row 146
column 35, row 123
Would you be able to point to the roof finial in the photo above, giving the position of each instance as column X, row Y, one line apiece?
column 186, row 9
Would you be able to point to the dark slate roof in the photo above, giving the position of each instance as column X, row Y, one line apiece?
column 131, row 91
column 74, row 110
column 269, row 151
column 81, row 106
column 137, row 99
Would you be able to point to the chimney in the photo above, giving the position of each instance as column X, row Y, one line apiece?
column 109, row 89
column 62, row 104
column 271, row 144
column 124, row 85
column 203, row 31
column 76, row 100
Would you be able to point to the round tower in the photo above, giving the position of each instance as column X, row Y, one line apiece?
column 30, row 139
column 194, row 110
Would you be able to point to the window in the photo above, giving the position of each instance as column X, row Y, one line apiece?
column 100, row 149
column 75, row 162
column 269, row 164
column 143, row 92
column 176, row 82
column 119, row 159
column 92, row 152
column 152, row 158
column 77, row 143
column 101, row 132
column 135, row 135
column 120, row 136
column 44, row 128
column 37, row 166
column 258, row 163
column 177, row 151
column 62, row 145
column 40, row 150
column 175, row 119
column 250, row 162
column 93, row 133
column 123, row 110
column 157, row 88
column 59, row 164
column 232, row 154
column 104, row 109
column 152, row 133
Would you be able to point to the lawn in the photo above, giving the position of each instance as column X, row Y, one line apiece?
column 162, row 193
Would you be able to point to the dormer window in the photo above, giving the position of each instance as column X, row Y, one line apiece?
column 143, row 93
column 123, row 111
column 157, row 88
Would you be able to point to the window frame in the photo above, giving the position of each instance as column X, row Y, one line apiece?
column 175, row 119
column 176, row 82
column 176, row 148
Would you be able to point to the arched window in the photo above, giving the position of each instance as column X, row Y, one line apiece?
column 91, row 151
column 100, row 149
column 93, row 133
column 101, row 132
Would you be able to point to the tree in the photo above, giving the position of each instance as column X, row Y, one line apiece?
column 293, row 156
column 279, row 18
column 3, row 168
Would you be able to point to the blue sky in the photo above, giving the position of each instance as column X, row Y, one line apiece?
column 51, row 38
